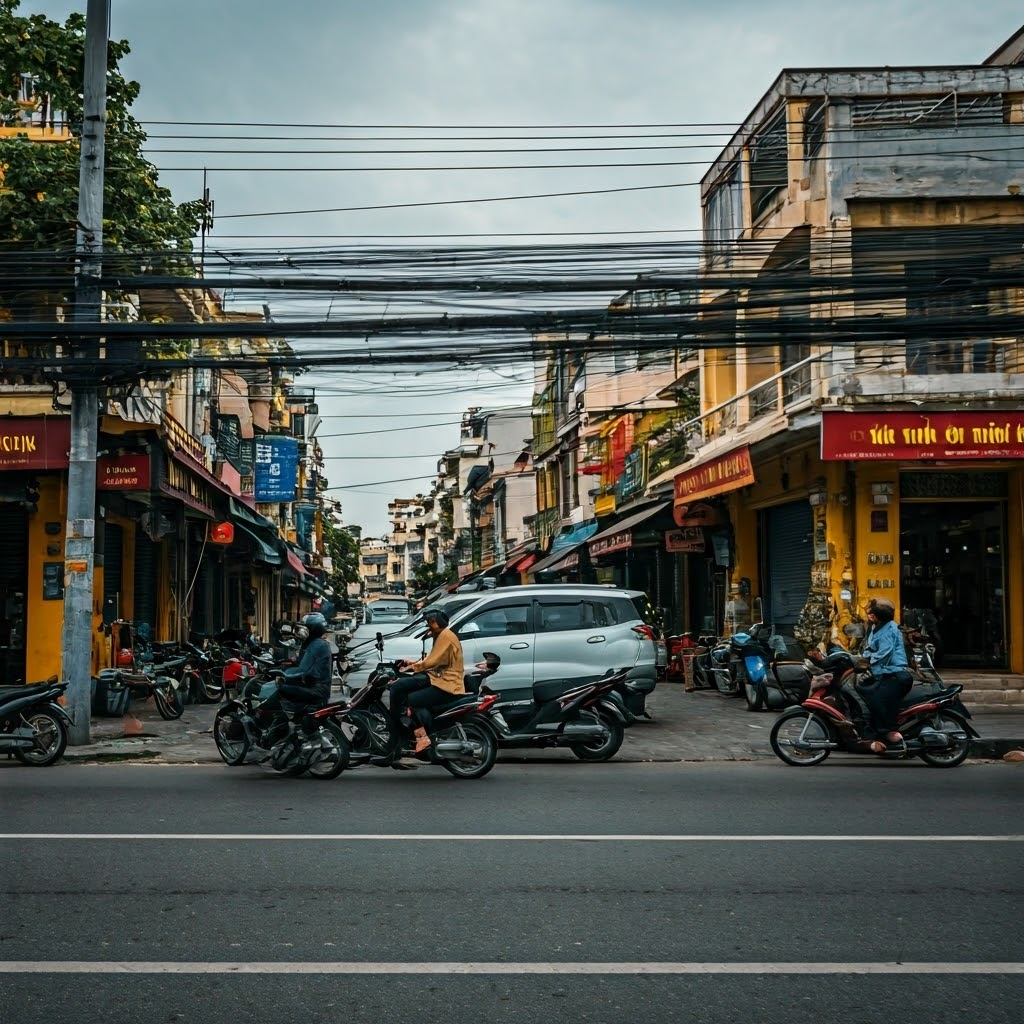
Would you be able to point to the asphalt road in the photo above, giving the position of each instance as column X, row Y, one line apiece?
column 598, row 893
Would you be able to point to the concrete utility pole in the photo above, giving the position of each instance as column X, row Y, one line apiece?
column 82, row 375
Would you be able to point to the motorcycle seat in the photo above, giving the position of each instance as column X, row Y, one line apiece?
column 9, row 693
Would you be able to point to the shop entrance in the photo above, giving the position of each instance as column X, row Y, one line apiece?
column 13, row 580
column 952, row 578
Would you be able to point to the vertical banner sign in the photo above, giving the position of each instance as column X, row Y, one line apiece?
column 277, row 468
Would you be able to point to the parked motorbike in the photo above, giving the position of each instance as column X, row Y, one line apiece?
column 590, row 718
column 770, row 682
column 156, row 681
column 33, row 725
column 464, row 732
column 836, row 717
column 289, row 739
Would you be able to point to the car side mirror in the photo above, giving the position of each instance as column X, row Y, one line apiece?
column 469, row 629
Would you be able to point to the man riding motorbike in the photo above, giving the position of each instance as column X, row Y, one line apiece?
column 309, row 682
column 435, row 679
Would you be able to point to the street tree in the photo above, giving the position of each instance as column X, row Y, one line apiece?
column 343, row 550
column 41, row 74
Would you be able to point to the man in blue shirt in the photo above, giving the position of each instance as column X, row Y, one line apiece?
column 887, row 656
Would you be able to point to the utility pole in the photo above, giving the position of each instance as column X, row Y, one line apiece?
column 82, row 374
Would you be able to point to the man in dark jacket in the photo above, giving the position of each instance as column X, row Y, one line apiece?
column 309, row 682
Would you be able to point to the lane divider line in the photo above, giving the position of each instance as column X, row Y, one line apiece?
column 362, row 837
column 314, row 967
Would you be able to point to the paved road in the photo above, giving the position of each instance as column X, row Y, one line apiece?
column 654, row 892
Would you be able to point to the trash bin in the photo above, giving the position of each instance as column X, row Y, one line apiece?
column 109, row 696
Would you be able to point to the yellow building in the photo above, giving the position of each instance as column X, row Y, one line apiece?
column 862, row 420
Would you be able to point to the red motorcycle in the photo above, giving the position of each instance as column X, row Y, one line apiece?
column 836, row 717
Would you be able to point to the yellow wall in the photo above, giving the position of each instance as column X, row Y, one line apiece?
column 44, row 619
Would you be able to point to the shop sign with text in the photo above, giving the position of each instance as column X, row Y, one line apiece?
column 39, row 442
column 615, row 542
column 123, row 472
column 717, row 476
column 689, row 539
column 922, row 435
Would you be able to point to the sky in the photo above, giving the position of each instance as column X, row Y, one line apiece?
column 441, row 68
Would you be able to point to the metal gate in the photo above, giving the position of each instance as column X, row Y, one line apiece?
column 13, row 585
column 787, row 554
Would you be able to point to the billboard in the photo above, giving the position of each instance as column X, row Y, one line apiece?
column 276, row 471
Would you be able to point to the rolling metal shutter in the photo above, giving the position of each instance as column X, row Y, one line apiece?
column 788, row 553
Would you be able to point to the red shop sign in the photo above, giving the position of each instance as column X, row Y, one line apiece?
column 717, row 476
column 123, row 472
column 922, row 435
column 34, row 442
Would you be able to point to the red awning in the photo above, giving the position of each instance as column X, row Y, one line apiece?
column 523, row 562
column 295, row 563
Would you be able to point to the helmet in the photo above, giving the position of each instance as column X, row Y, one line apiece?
column 439, row 615
column 315, row 623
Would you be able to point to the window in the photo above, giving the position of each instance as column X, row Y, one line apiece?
column 555, row 618
column 769, row 166
column 500, row 620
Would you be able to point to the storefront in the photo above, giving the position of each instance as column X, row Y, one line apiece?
column 33, row 474
column 939, row 524
column 705, row 540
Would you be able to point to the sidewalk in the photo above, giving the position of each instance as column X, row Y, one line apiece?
column 698, row 726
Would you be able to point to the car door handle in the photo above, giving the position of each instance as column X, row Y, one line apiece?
column 595, row 639
column 518, row 647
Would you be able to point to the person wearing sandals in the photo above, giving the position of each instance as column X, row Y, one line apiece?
column 435, row 679
column 890, row 678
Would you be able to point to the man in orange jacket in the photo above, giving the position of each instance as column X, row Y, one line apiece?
column 436, row 679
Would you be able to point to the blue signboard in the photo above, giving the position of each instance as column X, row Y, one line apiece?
column 277, row 468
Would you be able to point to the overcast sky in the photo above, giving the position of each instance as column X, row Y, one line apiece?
column 476, row 63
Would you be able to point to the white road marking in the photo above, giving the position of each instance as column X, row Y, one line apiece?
column 371, row 837
column 315, row 967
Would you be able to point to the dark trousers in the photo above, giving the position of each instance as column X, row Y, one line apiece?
column 425, row 698
column 884, row 696
column 400, row 692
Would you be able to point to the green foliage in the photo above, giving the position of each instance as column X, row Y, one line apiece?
column 39, row 180
column 343, row 550
column 426, row 577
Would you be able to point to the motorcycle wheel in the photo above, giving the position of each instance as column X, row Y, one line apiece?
column 790, row 727
column 230, row 736
column 601, row 749
column 168, row 701
column 476, row 765
column 754, row 696
column 210, row 692
column 951, row 756
column 332, row 765
column 51, row 739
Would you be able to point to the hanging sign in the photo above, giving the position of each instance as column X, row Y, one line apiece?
column 922, row 435
column 690, row 539
column 123, row 472
column 276, row 475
